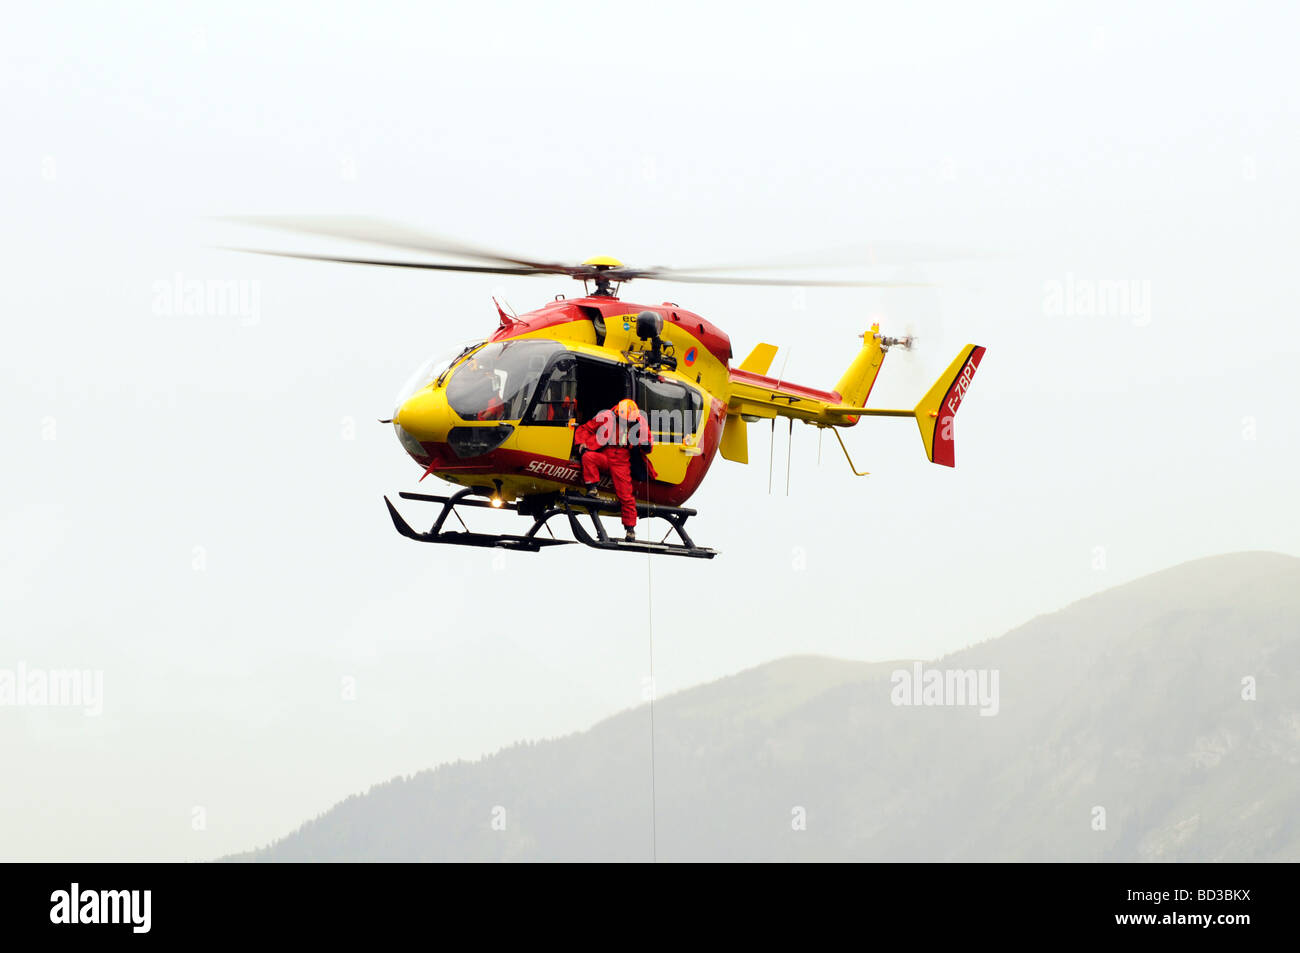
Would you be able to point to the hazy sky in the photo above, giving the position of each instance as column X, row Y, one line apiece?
column 192, row 502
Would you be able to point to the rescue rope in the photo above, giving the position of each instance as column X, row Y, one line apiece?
column 654, row 690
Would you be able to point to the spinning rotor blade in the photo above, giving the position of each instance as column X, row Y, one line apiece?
column 432, row 266
column 865, row 254
column 588, row 271
column 666, row 274
column 379, row 232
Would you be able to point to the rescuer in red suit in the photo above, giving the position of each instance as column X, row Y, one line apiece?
column 612, row 442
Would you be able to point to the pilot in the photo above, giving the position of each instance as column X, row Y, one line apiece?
column 495, row 409
column 612, row 442
column 479, row 388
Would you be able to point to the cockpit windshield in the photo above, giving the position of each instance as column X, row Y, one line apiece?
column 429, row 371
column 497, row 381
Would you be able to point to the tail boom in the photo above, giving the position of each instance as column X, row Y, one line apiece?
column 756, row 396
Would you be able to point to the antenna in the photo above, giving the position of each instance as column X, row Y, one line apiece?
column 771, row 450
column 781, row 376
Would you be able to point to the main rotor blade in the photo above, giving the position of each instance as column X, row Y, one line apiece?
column 622, row 274
column 583, row 271
column 858, row 255
column 431, row 266
column 379, row 232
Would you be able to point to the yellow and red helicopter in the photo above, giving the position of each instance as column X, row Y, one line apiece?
column 497, row 417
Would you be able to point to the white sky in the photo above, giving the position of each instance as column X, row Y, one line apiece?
column 1091, row 142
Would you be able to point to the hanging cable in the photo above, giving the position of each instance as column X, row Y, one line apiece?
column 789, row 448
column 650, row 632
column 771, row 452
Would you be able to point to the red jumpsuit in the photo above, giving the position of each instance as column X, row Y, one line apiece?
column 609, row 444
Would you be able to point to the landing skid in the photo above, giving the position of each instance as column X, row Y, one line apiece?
column 571, row 506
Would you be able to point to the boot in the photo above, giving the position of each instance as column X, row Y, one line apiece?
column 629, row 534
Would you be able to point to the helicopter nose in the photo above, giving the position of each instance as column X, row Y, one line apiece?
column 425, row 416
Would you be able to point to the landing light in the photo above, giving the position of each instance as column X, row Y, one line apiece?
column 496, row 502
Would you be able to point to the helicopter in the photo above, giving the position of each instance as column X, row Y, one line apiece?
column 496, row 417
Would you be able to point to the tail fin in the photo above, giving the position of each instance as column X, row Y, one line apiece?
column 935, row 413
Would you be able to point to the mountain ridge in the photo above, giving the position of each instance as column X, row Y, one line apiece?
column 1128, row 701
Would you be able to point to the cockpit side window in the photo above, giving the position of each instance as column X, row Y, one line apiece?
column 577, row 387
column 556, row 402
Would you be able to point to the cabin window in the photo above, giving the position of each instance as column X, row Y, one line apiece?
column 674, row 410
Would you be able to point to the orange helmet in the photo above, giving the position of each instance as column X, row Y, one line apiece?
column 627, row 409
